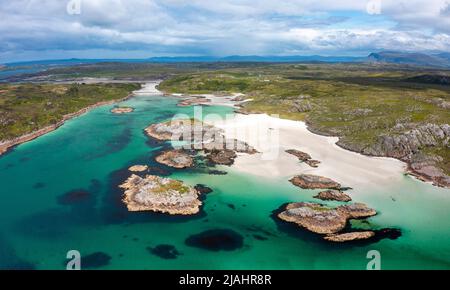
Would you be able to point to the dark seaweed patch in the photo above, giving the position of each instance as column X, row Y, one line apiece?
column 232, row 206
column 217, row 172
column 260, row 238
column 9, row 260
column 74, row 196
column 38, row 185
column 216, row 240
column 167, row 252
column 95, row 260
column 115, row 144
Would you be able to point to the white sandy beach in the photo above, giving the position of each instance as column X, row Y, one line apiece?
column 349, row 168
column 148, row 88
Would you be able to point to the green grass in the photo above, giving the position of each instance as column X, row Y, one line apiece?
column 357, row 102
column 25, row 108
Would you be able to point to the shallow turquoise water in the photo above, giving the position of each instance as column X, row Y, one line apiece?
column 89, row 154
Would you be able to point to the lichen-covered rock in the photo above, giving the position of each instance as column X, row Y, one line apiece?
column 309, row 181
column 335, row 195
column 158, row 194
column 357, row 211
column 315, row 217
column 321, row 219
column 176, row 159
column 348, row 237
column 222, row 157
column 138, row 168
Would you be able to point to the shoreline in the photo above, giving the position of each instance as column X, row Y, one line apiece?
column 352, row 169
column 8, row 145
column 407, row 170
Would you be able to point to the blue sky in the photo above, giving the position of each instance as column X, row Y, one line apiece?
column 44, row 29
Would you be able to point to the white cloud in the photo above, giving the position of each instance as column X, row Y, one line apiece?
column 223, row 27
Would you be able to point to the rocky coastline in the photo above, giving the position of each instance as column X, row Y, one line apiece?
column 6, row 145
column 405, row 144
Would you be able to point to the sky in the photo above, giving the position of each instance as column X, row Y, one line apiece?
column 61, row 29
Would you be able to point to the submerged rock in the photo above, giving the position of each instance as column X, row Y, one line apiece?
column 167, row 252
column 122, row 110
column 216, row 240
column 309, row 181
column 348, row 237
column 176, row 159
column 335, row 195
column 157, row 194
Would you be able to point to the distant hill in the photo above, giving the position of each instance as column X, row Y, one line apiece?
column 420, row 59
column 256, row 58
column 431, row 79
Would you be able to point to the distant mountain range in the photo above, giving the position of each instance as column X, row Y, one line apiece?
column 441, row 60
column 420, row 59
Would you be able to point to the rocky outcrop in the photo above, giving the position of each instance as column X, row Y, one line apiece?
column 309, row 181
column 222, row 157
column 404, row 145
column 315, row 217
column 122, row 110
column 176, row 159
column 328, row 221
column 408, row 146
column 195, row 100
column 183, row 130
column 304, row 157
column 138, row 168
column 357, row 211
column 348, row 237
column 157, row 194
column 199, row 137
column 335, row 195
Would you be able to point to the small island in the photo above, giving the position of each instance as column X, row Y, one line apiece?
column 197, row 136
column 335, row 195
column 138, row 168
column 309, row 181
column 304, row 157
column 327, row 221
column 175, row 158
column 122, row 110
column 158, row 194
